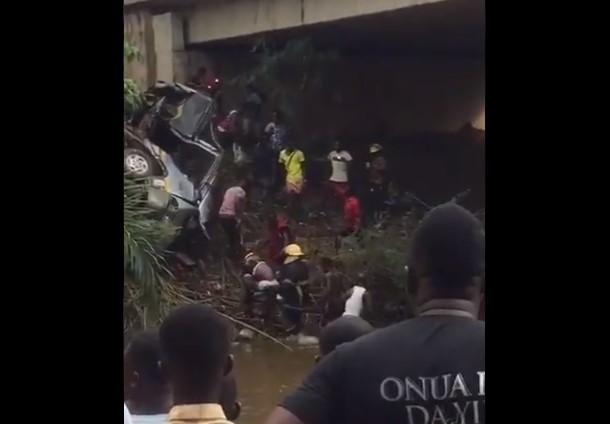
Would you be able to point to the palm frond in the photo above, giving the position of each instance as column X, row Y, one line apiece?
column 144, row 265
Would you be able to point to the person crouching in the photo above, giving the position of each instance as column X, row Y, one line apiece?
column 260, row 284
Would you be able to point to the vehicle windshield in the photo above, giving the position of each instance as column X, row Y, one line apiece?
column 195, row 109
column 193, row 161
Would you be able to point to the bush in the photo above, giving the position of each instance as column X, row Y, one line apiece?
column 144, row 267
column 378, row 262
column 132, row 97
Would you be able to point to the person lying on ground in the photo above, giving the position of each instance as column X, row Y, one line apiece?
column 377, row 378
column 195, row 344
column 230, row 213
column 259, row 283
column 339, row 160
column 262, row 275
column 146, row 390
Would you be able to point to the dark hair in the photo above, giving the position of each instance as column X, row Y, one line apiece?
column 195, row 343
column 342, row 330
column 143, row 354
column 448, row 248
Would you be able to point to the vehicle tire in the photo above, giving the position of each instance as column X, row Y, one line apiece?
column 138, row 163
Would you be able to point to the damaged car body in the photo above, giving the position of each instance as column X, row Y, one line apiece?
column 172, row 146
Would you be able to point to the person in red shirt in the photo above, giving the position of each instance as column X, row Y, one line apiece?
column 352, row 213
column 280, row 236
column 352, row 217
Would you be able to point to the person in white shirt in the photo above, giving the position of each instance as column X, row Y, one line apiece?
column 339, row 159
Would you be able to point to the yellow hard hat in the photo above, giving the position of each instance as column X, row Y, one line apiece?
column 375, row 147
column 293, row 251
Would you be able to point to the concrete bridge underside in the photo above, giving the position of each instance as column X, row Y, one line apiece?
column 210, row 20
column 443, row 42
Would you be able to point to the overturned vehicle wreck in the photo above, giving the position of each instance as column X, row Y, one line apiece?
column 172, row 147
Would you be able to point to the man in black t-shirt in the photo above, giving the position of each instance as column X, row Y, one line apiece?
column 426, row 370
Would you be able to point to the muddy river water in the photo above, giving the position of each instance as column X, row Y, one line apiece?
column 266, row 372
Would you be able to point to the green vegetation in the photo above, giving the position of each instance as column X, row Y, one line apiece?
column 381, row 253
column 147, row 293
column 146, row 284
column 132, row 97
column 379, row 262
column 295, row 70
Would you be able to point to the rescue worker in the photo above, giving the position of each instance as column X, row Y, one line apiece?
column 293, row 276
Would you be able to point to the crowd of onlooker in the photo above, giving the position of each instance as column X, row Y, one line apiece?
column 427, row 369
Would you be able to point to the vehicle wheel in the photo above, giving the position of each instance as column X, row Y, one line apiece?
column 138, row 163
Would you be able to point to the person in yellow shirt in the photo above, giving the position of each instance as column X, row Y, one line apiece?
column 293, row 162
column 195, row 344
